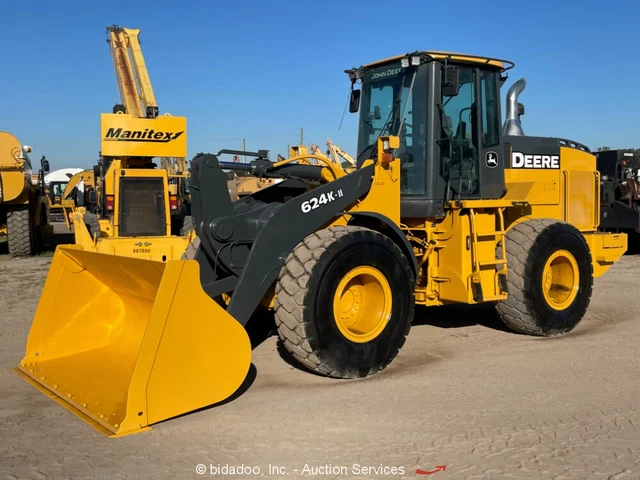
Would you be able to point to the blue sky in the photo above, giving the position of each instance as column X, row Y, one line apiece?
column 262, row 70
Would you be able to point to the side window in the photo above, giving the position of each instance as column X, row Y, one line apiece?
column 460, row 113
column 379, row 116
column 490, row 110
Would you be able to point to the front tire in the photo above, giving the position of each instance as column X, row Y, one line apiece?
column 334, row 309
column 550, row 278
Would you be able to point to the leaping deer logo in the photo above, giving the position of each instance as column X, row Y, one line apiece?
column 492, row 159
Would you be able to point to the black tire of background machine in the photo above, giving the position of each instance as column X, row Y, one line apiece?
column 191, row 250
column 304, row 301
column 20, row 236
column 41, row 232
column 92, row 222
column 187, row 226
column 529, row 245
column 190, row 254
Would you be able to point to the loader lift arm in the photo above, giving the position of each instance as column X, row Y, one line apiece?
column 261, row 233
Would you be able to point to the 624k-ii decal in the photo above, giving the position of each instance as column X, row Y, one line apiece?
column 323, row 199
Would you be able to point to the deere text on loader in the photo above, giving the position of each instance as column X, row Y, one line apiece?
column 445, row 207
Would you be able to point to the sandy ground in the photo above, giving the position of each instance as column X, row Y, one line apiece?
column 463, row 393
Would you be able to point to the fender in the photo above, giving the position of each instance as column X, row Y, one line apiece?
column 386, row 226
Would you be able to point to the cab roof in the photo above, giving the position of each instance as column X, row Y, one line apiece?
column 503, row 65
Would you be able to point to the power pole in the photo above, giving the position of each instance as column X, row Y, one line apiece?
column 244, row 149
column 301, row 136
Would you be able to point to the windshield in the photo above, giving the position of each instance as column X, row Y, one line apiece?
column 394, row 103
column 57, row 188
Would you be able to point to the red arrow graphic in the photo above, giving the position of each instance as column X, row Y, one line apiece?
column 439, row 468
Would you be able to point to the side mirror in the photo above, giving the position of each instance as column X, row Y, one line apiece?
column 376, row 113
column 520, row 109
column 96, row 172
column 354, row 101
column 45, row 165
column 451, row 82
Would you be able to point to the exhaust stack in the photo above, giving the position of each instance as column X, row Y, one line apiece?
column 512, row 125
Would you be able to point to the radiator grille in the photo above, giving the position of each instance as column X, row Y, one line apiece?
column 142, row 208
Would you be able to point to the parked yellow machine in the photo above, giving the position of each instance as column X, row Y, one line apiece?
column 59, row 186
column 446, row 206
column 179, row 195
column 135, row 217
column 24, row 217
column 338, row 155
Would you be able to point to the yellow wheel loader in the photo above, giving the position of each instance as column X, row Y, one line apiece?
column 24, row 216
column 446, row 206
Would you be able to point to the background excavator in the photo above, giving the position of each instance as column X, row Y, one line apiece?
column 141, row 209
column 446, row 206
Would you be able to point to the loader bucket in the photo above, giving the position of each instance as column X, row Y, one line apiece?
column 124, row 343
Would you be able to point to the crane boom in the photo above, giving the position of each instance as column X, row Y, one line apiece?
column 134, row 84
column 132, row 76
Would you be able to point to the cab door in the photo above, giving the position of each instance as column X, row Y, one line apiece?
column 472, row 123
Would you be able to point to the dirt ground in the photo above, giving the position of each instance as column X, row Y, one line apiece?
column 463, row 393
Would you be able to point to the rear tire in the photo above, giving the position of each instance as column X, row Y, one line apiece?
column 546, row 300
column 308, row 300
column 20, row 232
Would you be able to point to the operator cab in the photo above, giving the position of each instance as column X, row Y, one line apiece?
column 445, row 108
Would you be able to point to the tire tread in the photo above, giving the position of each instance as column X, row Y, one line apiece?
column 293, row 293
column 516, row 310
column 20, row 238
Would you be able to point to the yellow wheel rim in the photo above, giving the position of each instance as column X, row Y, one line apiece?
column 362, row 304
column 560, row 280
